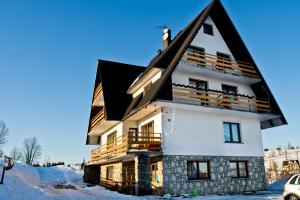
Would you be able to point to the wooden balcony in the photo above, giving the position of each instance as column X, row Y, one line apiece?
column 219, row 99
column 97, row 119
column 220, row 64
column 128, row 142
column 97, row 91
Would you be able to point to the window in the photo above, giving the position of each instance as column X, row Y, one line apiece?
column 147, row 87
column 208, row 29
column 238, row 169
column 196, row 55
column 110, row 172
column 148, row 131
column 223, row 61
column 293, row 181
column 99, row 140
column 134, row 133
column 232, row 132
column 111, row 140
column 230, row 96
column 154, row 172
column 198, row 170
column 202, row 87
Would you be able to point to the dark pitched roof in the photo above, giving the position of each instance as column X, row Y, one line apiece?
column 172, row 55
column 116, row 79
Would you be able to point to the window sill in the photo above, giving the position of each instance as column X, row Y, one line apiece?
column 246, row 177
column 233, row 142
column 201, row 179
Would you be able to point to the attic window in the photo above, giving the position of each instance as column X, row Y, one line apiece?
column 147, row 87
column 208, row 29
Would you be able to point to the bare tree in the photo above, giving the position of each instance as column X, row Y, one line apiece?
column 3, row 132
column 32, row 150
column 1, row 153
column 16, row 154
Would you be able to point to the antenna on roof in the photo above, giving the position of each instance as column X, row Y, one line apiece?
column 161, row 26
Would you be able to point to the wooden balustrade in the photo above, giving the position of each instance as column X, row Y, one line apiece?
column 126, row 142
column 98, row 91
column 97, row 119
column 219, row 99
column 222, row 64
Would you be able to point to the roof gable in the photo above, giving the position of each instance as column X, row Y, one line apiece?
column 172, row 55
column 115, row 85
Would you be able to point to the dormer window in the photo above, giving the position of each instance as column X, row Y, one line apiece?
column 208, row 29
column 147, row 87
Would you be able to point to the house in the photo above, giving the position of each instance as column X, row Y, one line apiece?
column 190, row 121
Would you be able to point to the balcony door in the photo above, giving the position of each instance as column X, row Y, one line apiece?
column 111, row 140
column 196, row 55
column 223, row 61
column 231, row 94
column 148, row 131
column 202, row 87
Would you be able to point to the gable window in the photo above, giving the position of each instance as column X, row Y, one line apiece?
column 232, row 132
column 238, row 169
column 208, row 29
column 202, row 87
column 147, row 87
column 111, row 140
column 198, row 170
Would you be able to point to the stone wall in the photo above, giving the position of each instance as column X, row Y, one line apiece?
column 143, row 177
column 175, row 180
column 117, row 176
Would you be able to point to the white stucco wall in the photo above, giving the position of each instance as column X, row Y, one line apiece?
column 156, row 117
column 212, row 83
column 188, row 132
column 211, row 43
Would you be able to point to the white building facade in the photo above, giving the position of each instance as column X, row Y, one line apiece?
column 190, row 121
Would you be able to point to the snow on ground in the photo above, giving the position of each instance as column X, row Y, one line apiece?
column 24, row 182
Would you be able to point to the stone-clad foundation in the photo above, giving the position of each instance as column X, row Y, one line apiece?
column 175, row 179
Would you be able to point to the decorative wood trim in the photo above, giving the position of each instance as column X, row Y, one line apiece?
column 219, row 99
column 212, row 61
column 128, row 141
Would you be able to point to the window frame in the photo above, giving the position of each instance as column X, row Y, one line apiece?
column 237, row 162
column 231, row 134
column 113, row 143
column 198, row 170
column 206, row 25
column 108, row 170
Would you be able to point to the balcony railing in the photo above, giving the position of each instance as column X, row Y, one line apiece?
column 219, row 99
column 98, row 91
column 97, row 119
column 127, row 142
column 210, row 61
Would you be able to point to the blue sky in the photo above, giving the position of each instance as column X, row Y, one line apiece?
column 49, row 50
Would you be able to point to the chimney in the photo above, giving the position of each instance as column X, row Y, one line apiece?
column 166, row 38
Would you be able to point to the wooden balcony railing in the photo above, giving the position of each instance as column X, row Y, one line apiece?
column 219, row 99
column 126, row 142
column 97, row 119
column 98, row 91
column 202, row 59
